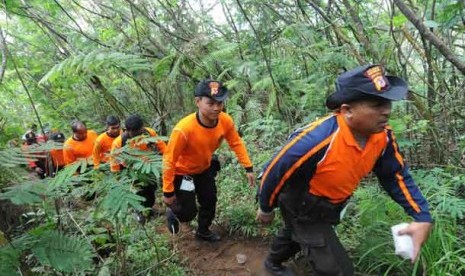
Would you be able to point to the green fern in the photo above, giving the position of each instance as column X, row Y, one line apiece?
column 9, row 260
column 63, row 253
column 120, row 199
column 96, row 61
column 27, row 193
column 13, row 157
column 11, row 175
column 145, row 162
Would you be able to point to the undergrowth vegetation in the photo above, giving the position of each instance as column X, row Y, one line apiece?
column 84, row 223
column 62, row 229
column 66, row 59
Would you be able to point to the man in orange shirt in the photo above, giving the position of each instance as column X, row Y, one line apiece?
column 104, row 141
column 314, row 174
column 187, row 160
column 80, row 145
column 146, row 183
column 56, row 159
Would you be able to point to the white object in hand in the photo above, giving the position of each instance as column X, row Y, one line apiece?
column 403, row 243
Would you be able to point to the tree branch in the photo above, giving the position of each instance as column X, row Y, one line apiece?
column 262, row 48
column 430, row 36
column 338, row 32
column 4, row 54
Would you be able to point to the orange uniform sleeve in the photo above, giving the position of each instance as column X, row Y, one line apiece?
column 178, row 141
column 160, row 144
column 237, row 145
column 114, row 163
column 57, row 157
column 68, row 153
column 97, row 153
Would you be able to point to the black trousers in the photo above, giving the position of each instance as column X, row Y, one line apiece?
column 146, row 186
column 185, row 207
column 317, row 240
column 148, row 193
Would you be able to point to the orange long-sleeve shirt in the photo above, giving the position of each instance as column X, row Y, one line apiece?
column 117, row 144
column 57, row 157
column 102, row 146
column 73, row 150
column 192, row 145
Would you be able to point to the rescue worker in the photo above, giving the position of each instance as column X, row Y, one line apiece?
column 80, row 145
column 146, row 183
column 314, row 174
column 36, row 162
column 187, row 160
column 56, row 159
column 102, row 145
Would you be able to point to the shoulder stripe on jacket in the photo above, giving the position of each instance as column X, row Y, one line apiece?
column 405, row 191
column 289, row 145
column 297, row 164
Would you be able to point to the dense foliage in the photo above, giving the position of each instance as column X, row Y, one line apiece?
column 65, row 59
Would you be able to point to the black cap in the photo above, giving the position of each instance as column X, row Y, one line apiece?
column 30, row 137
column 57, row 137
column 212, row 89
column 363, row 82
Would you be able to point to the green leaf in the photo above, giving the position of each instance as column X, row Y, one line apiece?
column 399, row 20
column 9, row 260
column 27, row 193
column 120, row 198
column 63, row 253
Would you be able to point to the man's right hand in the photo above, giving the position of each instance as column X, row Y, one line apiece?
column 169, row 200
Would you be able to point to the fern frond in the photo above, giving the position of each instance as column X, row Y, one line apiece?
column 63, row 253
column 27, row 193
column 12, row 157
column 96, row 61
column 63, row 179
column 146, row 162
column 9, row 260
column 120, row 198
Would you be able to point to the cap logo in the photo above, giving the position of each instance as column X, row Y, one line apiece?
column 375, row 74
column 214, row 88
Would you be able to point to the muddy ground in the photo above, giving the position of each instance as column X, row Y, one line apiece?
column 218, row 259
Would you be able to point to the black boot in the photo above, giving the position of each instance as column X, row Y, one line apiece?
column 277, row 269
column 207, row 236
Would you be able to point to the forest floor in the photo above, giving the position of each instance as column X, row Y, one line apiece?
column 221, row 258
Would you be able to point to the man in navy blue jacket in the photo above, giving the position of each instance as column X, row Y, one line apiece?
column 314, row 174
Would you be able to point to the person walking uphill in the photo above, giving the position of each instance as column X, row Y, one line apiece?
column 80, row 145
column 146, row 183
column 102, row 145
column 314, row 174
column 187, row 159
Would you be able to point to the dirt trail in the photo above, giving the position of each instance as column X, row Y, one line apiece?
column 219, row 259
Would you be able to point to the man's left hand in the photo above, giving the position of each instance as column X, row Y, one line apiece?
column 251, row 179
column 419, row 232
